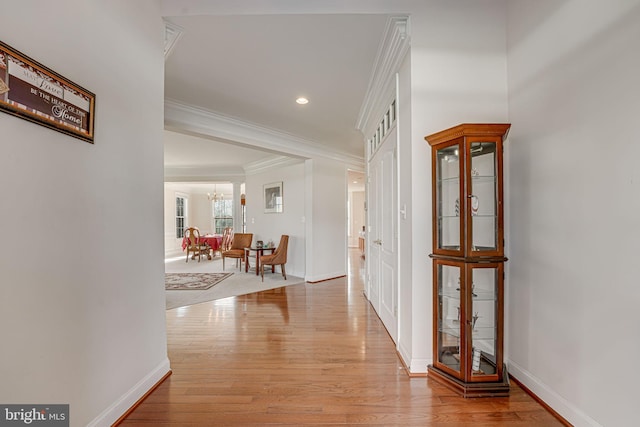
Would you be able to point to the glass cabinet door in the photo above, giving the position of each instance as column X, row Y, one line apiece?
column 483, row 295
column 449, row 207
column 450, row 318
column 483, row 197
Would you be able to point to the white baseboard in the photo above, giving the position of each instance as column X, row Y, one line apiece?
column 559, row 404
column 405, row 356
column 416, row 366
column 122, row 405
column 419, row 366
column 322, row 277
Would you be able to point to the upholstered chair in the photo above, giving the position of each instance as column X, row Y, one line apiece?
column 278, row 257
column 240, row 241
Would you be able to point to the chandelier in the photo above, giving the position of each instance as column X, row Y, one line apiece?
column 215, row 197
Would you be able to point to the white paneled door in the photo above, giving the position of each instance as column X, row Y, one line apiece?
column 383, row 246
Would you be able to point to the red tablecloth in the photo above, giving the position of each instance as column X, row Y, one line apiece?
column 214, row 241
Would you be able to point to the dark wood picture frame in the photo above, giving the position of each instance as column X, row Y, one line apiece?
column 36, row 93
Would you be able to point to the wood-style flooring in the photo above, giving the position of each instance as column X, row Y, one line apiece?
column 309, row 354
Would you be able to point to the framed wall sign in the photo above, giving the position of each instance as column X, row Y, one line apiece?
column 32, row 91
column 273, row 198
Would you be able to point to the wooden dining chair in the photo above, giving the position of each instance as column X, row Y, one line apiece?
column 278, row 257
column 194, row 246
column 227, row 238
column 240, row 241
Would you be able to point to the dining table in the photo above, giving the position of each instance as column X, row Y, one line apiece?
column 213, row 240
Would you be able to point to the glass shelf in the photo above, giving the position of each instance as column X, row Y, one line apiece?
column 478, row 295
column 482, row 295
column 483, row 178
column 475, row 216
column 450, row 294
column 450, row 180
column 481, row 333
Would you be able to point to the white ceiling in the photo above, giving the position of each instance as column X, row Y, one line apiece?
column 253, row 67
column 182, row 150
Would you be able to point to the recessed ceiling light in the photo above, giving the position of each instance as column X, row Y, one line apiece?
column 302, row 100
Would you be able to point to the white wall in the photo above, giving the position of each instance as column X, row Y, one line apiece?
column 574, row 199
column 81, row 309
column 200, row 213
column 270, row 226
column 326, row 219
column 408, row 332
column 356, row 201
column 458, row 75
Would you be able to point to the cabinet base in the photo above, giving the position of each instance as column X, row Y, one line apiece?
column 486, row 389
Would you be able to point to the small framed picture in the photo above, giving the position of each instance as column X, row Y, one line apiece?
column 273, row 197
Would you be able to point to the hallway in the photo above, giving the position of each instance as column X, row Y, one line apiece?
column 306, row 354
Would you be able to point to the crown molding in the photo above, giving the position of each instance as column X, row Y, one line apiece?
column 264, row 165
column 198, row 121
column 382, row 85
column 203, row 173
column 172, row 33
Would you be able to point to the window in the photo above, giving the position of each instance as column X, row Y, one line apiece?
column 180, row 211
column 222, row 215
column 385, row 124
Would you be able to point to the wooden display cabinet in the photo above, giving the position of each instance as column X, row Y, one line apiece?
column 468, row 259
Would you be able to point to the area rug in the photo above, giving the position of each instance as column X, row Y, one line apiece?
column 192, row 281
column 240, row 283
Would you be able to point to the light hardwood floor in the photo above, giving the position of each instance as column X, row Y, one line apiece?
column 310, row 354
